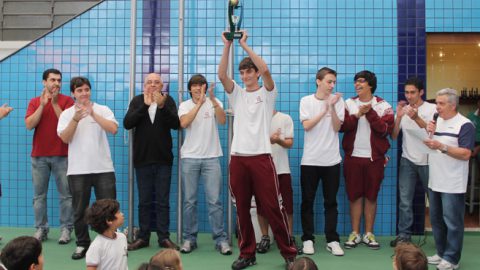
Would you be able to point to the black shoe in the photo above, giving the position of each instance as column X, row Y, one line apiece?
column 289, row 263
column 167, row 243
column 79, row 253
column 264, row 244
column 399, row 239
column 299, row 248
column 242, row 263
column 137, row 244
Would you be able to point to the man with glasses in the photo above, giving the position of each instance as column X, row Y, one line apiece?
column 367, row 125
column 152, row 115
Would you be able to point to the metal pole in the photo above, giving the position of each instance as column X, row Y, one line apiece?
column 230, row 136
column 133, row 36
column 181, row 28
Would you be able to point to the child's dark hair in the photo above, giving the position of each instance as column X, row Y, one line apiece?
column 21, row 252
column 409, row 256
column 247, row 63
column 100, row 212
column 369, row 76
column 76, row 82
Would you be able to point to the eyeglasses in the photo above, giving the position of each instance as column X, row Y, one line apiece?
column 359, row 80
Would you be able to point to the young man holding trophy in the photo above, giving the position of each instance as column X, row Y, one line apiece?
column 252, row 172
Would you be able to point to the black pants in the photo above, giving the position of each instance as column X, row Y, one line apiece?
column 81, row 188
column 309, row 179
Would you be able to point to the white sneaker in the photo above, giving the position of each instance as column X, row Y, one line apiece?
column 308, row 247
column 435, row 259
column 369, row 240
column 353, row 240
column 445, row 265
column 335, row 249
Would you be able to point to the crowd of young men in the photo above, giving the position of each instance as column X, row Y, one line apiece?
column 70, row 142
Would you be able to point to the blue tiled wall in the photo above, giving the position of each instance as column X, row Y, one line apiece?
column 95, row 45
column 452, row 16
column 295, row 38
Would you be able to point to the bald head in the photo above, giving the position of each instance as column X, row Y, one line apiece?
column 153, row 82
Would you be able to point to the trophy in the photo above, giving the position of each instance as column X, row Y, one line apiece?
column 235, row 21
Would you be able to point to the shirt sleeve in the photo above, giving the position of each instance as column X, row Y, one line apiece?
column 233, row 96
column 108, row 114
column 340, row 109
column 182, row 109
column 32, row 107
column 466, row 137
column 288, row 127
column 304, row 113
column 92, row 258
column 63, row 120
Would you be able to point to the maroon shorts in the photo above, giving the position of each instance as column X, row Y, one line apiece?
column 285, row 186
column 363, row 177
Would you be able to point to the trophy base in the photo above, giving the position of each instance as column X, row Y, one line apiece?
column 233, row 35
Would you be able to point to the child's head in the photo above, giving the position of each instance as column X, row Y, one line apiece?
column 408, row 256
column 23, row 253
column 304, row 263
column 104, row 214
column 166, row 259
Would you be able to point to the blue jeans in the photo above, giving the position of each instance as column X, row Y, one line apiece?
column 409, row 174
column 42, row 167
column 447, row 212
column 81, row 188
column 209, row 170
column 154, row 179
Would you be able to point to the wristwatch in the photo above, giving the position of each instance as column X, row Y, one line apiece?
column 444, row 149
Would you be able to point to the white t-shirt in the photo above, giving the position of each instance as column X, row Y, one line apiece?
column 283, row 123
column 88, row 151
column 251, row 126
column 425, row 112
column 201, row 136
column 362, row 146
column 448, row 174
column 321, row 146
column 152, row 110
column 108, row 254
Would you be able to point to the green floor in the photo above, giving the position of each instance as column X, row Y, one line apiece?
column 205, row 257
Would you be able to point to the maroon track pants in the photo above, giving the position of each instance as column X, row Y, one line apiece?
column 256, row 176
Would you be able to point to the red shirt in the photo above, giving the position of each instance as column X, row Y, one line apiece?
column 45, row 139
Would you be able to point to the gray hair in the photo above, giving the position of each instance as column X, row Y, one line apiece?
column 451, row 94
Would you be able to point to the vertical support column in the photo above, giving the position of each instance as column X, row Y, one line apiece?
column 131, row 94
column 181, row 34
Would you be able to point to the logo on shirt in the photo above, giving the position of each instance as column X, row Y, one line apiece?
column 258, row 100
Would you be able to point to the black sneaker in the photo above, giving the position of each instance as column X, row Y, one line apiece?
column 399, row 239
column 242, row 263
column 264, row 244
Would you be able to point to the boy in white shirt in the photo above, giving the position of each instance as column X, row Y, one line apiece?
column 252, row 172
column 200, row 159
column 321, row 114
column 109, row 249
